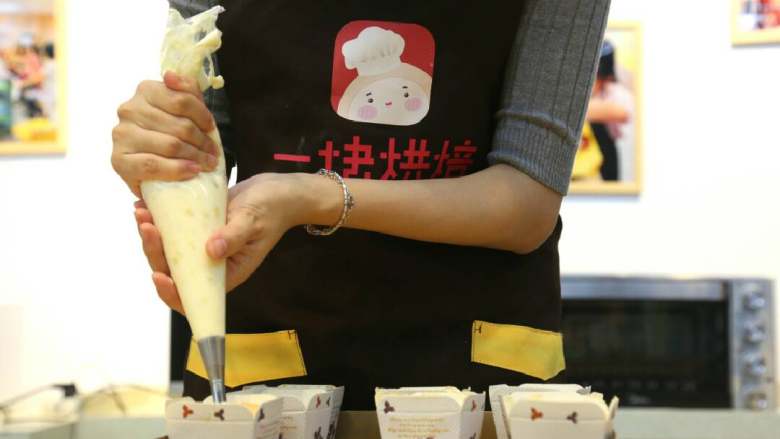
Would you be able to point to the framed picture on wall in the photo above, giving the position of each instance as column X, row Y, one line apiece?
column 32, row 77
column 609, row 157
column 755, row 21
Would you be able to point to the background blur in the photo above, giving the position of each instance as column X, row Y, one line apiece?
column 76, row 300
column 28, row 73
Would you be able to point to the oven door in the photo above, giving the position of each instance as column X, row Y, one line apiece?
column 651, row 342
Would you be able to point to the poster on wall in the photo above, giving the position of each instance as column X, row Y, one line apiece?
column 31, row 80
column 755, row 22
column 608, row 159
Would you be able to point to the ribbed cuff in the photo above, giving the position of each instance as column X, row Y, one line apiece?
column 536, row 147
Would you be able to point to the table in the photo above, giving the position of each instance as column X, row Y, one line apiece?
column 630, row 423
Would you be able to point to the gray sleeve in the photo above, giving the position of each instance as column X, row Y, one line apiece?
column 546, row 88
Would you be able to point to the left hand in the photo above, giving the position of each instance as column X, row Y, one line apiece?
column 260, row 210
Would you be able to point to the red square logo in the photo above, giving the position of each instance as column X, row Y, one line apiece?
column 382, row 72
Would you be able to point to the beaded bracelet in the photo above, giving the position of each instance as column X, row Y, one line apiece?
column 349, row 203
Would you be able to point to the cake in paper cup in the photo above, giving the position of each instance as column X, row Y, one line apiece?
column 429, row 412
column 552, row 411
column 496, row 392
column 306, row 410
column 242, row 417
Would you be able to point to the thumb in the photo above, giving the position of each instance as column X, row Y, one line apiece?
column 184, row 84
column 232, row 237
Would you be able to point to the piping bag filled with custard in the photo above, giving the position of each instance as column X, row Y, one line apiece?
column 188, row 212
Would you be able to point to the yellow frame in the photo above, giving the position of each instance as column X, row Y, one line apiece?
column 741, row 38
column 620, row 187
column 60, row 145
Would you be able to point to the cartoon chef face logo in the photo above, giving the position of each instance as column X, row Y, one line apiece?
column 375, row 79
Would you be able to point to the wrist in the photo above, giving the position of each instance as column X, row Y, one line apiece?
column 323, row 199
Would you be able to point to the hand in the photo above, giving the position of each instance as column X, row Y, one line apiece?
column 161, row 133
column 260, row 210
column 155, row 255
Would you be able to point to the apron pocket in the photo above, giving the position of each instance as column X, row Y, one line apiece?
column 252, row 358
column 523, row 349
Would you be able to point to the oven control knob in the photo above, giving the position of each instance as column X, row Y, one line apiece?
column 755, row 366
column 757, row 401
column 754, row 333
column 754, row 301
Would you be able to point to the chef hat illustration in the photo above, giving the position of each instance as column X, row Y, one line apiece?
column 374, row 51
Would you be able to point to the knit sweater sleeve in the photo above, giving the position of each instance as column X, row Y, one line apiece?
column 547, row 84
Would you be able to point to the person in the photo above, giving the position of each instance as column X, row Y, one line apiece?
column 445, row 270
column 47, row 94
column 609, row 111
column 27, row 68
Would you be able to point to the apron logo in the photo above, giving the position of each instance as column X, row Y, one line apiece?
column 382, row 72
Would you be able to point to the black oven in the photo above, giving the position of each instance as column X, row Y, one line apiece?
column 672, row 342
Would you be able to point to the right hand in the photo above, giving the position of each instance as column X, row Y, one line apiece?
column 161, row 133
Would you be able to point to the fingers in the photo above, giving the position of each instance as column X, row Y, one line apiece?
column 184, row 84
column 146, row 166
column 240, row 229
column 152, row 245
column 151, row 155
column 177, row 103
column 181, row 128
column 167, row 291
column 142, row 214
column 153, row 248
column 168, row 120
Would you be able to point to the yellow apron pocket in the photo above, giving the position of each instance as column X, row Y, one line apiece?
column 519, row 348
column 251, row 358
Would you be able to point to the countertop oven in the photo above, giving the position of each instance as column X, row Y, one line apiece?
column 672, row 342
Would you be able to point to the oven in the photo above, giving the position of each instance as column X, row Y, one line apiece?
column 706, row 343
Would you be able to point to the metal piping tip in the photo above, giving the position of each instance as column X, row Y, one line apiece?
column 212, row 351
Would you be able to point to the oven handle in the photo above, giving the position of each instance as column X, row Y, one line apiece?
column 611, row 288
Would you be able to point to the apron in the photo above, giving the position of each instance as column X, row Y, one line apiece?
column 381, row 90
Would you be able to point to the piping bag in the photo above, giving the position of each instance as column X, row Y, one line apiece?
column 188, row 212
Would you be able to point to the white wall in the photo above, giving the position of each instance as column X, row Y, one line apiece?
column 75, row 297
column 70, row 266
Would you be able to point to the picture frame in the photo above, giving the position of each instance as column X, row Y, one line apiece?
column 609, row 157
column 33, row 77
column 755, row 22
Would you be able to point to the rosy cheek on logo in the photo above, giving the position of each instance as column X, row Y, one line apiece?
column 367, row 112
column 413, row 104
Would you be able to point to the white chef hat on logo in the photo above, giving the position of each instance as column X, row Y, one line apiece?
column 374, row 51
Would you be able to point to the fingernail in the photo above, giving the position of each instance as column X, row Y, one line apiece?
column 218, row 247
column 212, row 161
column 212, row 147
column 193, row 167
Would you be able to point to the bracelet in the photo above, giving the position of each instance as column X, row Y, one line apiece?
column 349, row 203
